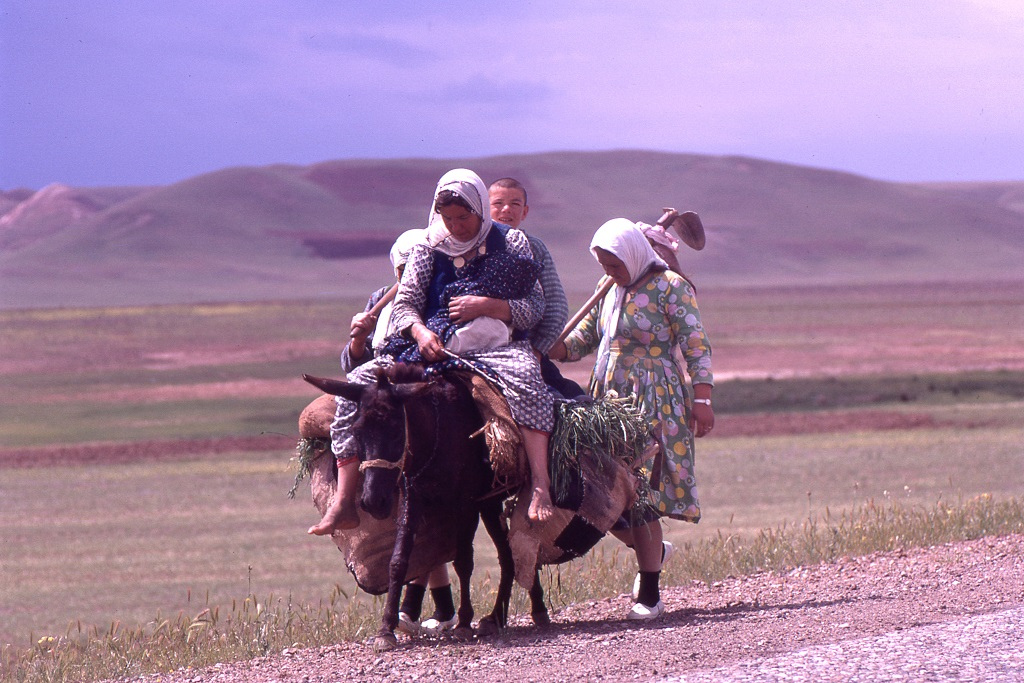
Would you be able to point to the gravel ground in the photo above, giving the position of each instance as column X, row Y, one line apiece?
column 985, row 647
column 949, row 613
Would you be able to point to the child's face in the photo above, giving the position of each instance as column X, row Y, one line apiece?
column 508, row 205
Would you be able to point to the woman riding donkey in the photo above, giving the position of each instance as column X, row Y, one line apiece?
column 460, row 237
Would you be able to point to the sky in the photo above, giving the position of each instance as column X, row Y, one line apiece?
column 148, row 92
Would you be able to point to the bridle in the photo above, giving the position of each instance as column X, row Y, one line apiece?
column 381, row 463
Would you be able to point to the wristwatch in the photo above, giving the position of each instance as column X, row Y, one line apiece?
column 705, row 401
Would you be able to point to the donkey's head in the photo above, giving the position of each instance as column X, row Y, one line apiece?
column 379, row 432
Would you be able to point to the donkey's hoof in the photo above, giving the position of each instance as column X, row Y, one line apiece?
column 540, row 618
column 385, row 642
column 463, row 633
column 487, row 627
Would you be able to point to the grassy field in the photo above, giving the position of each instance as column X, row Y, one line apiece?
column 105, row 543
column 124, row 374
column 94, row 543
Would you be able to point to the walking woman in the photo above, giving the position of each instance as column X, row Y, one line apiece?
column 649, row 311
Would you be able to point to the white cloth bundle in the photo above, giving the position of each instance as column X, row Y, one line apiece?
column 479, row 334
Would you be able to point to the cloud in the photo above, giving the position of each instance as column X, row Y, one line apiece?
column 1005, row 9
column 483, row 90
column 373, row 48
column 87, row 87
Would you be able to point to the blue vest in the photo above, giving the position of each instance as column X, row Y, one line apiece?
column 444, row 268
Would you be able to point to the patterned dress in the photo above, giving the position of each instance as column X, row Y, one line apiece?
column 657, row 319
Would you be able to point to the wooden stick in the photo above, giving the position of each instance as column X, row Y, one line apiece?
column 388, row 297
column 603, row 285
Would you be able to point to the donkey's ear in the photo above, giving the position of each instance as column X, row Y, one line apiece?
column 336, row 387
column 404, row 392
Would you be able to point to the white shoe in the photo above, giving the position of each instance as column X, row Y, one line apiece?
column 408, row 625
column 435, row 627
column 666, row 552
column 641, row 612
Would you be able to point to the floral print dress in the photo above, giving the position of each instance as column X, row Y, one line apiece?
column 657, row 319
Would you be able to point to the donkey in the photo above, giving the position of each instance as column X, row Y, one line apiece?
column 417, row 437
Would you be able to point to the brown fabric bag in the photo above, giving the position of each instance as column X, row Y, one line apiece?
column 366, row 549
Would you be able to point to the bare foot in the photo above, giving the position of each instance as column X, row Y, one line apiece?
column 338, row 517
column 541, row 508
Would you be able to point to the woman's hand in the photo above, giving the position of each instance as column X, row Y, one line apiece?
column 429, row 344
column 558, row 351
column 702, row 417
column 462, row 309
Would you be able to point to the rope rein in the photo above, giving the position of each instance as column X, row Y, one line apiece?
column 383, row 464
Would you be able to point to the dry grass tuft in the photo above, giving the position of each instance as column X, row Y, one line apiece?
column 257, row 627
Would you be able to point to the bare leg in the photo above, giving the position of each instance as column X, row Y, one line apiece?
column 536, row 444
column 438, row 577
column 647, row 543
column 342, row 513
column 624, row 535
column 435, row 578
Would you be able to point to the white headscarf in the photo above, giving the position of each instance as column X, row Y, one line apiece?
column 400, row 251
column 470, row 187
column 625, row 240
column 403, row 246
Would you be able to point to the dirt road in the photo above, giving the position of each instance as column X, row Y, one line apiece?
column 949, row 613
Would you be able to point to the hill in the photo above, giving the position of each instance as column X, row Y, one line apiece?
column 282, row 231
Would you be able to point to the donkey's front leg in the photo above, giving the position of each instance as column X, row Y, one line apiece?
column 538, row 610
column 490, row 513
column 406, row 531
